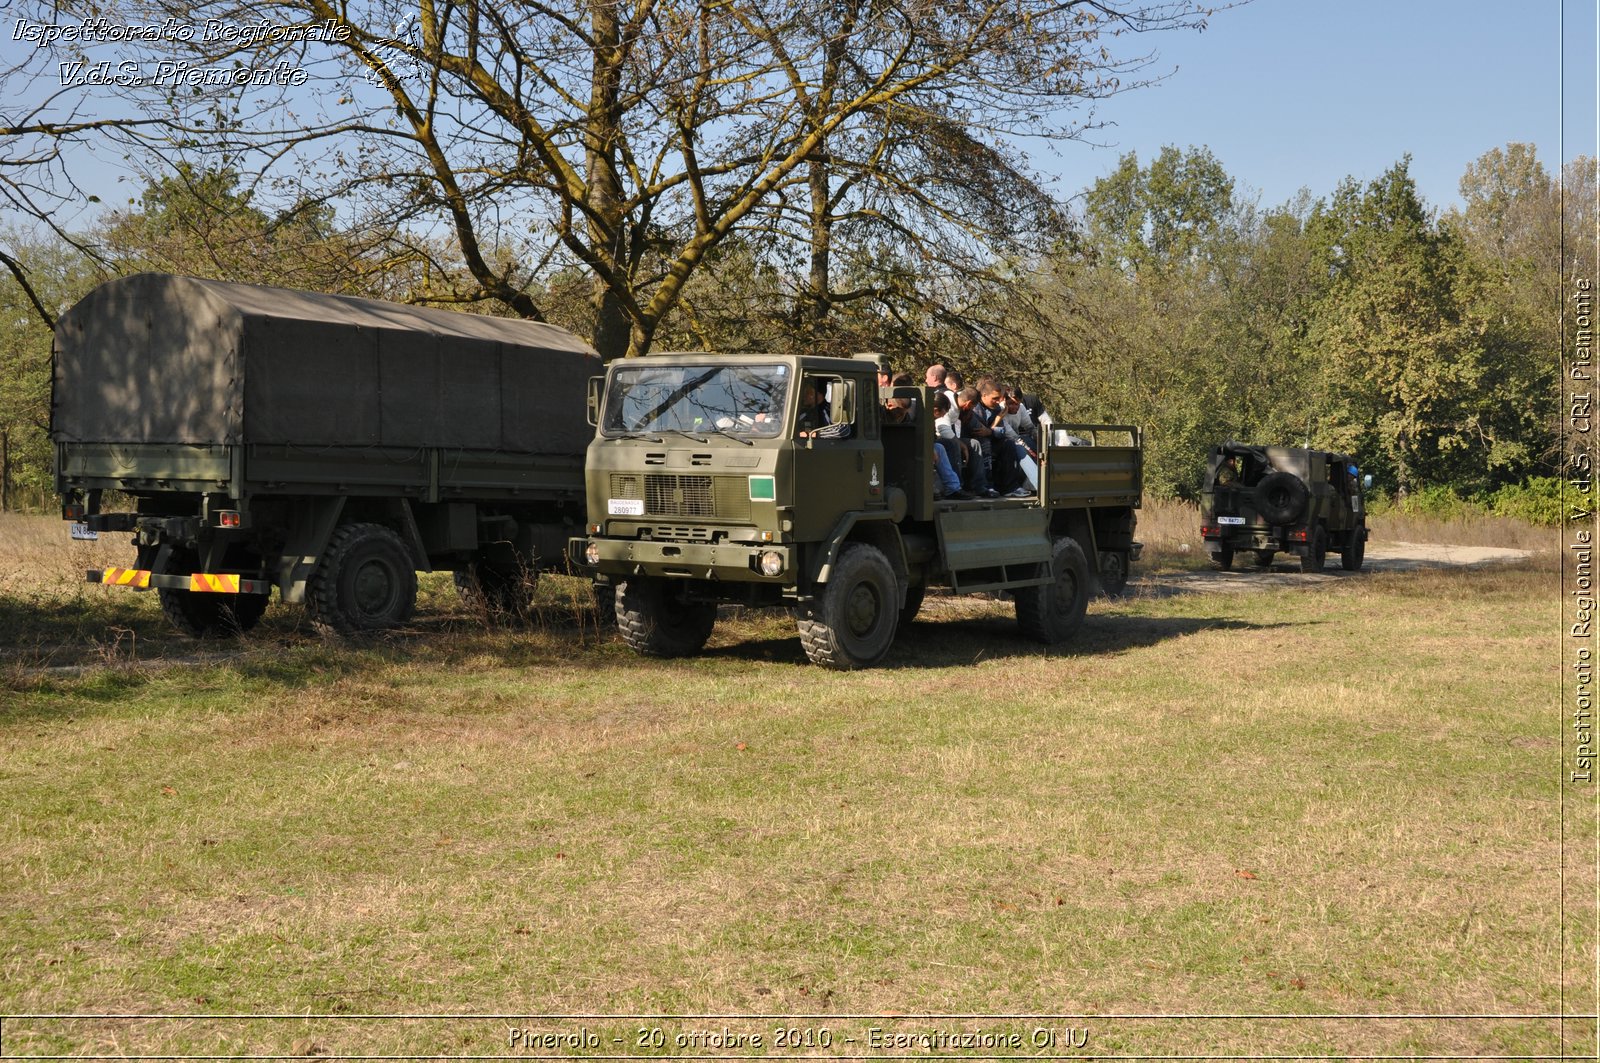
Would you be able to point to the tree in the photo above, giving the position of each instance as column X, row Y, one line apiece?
column 624, row 137
column 1418, row 376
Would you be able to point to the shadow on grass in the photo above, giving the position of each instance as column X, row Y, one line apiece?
column 932, row 641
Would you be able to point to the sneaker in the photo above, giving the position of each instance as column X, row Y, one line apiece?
column 989, row 492
column 1021, row 492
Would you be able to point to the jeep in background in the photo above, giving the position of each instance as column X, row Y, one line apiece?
column 1282, row 500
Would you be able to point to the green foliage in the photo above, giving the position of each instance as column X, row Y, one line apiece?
column 1537, row 501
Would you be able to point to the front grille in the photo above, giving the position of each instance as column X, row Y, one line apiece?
column 724, row 498
column 679, row 496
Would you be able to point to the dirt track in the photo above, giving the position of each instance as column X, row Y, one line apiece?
column 1285, row 570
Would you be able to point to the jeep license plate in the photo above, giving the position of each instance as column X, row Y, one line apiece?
column 1230, row 520
column 81, row 530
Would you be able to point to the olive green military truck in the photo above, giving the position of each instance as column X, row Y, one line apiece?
column 1270, row 500
column 326, row 447
column 781, row 481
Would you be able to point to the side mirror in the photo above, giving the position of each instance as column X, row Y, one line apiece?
column 1366, row 482
column 595, row 384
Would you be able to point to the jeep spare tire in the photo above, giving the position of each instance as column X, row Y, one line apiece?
column 1281, row 498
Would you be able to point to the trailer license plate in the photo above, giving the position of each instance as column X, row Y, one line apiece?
column 1230, row 520
column 80, row 530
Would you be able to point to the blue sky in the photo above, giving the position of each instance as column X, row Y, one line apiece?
column 1288, row 93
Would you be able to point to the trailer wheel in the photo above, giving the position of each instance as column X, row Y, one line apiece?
column 212, row 616
column 1316, row 555
column 1222, row 557
column 1264, row 558
column 365, row 581
column 853, row 624
column 1054, row 611
column 1355, row 553
column 656, row 619
column 1113, row 573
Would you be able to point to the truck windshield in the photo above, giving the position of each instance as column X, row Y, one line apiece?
column 696, row 399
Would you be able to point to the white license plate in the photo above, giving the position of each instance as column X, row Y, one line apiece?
column 625, row 507
column 80, row 530
column 1230, row 520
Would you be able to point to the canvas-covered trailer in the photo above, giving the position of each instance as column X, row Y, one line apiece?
column 324, row 445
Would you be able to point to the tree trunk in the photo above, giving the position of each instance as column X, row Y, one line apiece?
column 5, row 471
column 612, row 325
column 814, row 300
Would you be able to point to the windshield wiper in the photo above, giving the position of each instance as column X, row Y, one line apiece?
column 729, row 435
column 646, row 436
column 686, row 435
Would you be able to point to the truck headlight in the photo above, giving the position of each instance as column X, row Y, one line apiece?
column 770, row 563
column 591, row 553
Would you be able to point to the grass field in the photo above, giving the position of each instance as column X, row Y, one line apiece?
column 1342, row 801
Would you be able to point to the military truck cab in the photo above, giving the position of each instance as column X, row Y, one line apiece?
column 1270, row 500
column 772, row 480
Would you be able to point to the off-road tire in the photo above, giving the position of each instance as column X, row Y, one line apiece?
column 1281, row 498
column 853, row 623
column 204, row 615
column 1316, row 555
column 1050, row 614
column 656, row 620
column 1264, row 558
column 364, row 582
column 1113, row 573
column 1353, row 555
column 1222, row 558
column 915, row 593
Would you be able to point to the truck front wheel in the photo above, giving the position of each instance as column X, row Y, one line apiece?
column 656, row 620
column 853, row 623
column 365, row 581
column 1053, row 612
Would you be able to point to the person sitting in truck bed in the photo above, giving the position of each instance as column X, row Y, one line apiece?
column 975, row 437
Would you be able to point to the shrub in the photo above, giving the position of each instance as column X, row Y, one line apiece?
column 1538, row 501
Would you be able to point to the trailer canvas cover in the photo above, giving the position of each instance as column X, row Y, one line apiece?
column 154, row 358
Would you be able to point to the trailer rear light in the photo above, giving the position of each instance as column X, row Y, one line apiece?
column 1209, row 530
column 228, row 518
column 75, row 511
column 1298, row 535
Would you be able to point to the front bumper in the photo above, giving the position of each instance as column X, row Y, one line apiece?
column 714, row 561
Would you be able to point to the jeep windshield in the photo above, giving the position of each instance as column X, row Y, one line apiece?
column 695, row 400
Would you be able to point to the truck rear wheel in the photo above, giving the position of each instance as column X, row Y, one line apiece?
column 1113, row 573
column 853, row 624
column 212, row 616
column 365, row 581
column 656, row 620
column 1053, row 612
